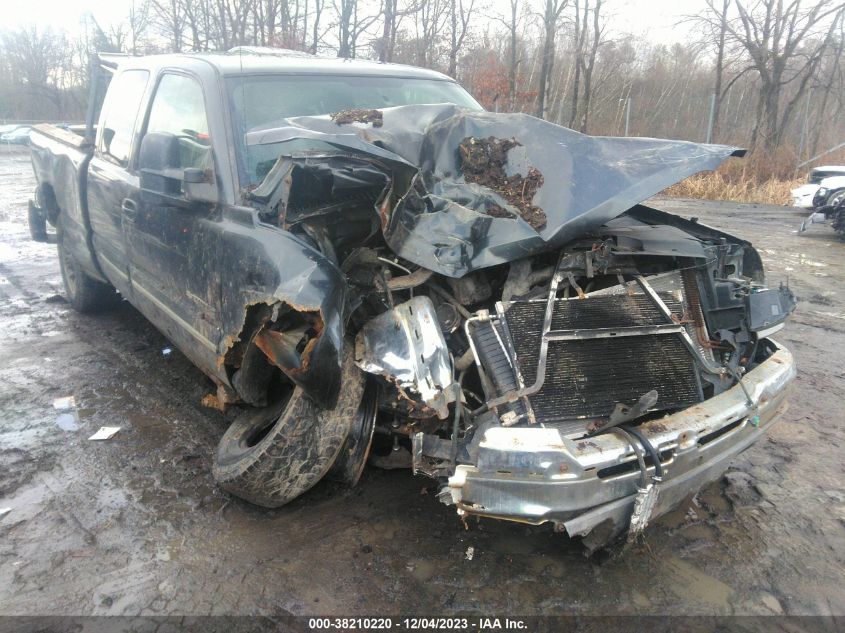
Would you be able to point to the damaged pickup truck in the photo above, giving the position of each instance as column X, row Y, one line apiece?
column 350, row 249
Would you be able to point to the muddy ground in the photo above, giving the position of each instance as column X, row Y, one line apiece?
column 135, row 525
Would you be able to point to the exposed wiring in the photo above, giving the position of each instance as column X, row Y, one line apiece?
column 392, row 263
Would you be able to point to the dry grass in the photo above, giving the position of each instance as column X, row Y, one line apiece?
column 757, row 178
column 715, row 186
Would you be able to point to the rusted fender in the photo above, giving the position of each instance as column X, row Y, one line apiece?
column 284, row 297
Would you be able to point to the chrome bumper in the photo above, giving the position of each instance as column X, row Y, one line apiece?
column 535, row 475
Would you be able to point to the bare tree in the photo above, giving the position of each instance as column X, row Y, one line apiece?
column 550, row 17
column 831, row 79
column 37, row 61
column 580, row 29
column 460, row 14
column 431, row 20
column 511, row 23
column 784, row 43
column 344, row 10
column 350, row 26
column 319, row 5
column 170, row 16
column 587, row 58
column 720, row 65
column 138, row 20
column 390, row 19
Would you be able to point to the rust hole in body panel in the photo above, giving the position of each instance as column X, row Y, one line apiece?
column 290, row 348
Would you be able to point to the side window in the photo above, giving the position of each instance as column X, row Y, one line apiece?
column 178, row 108
column 121, row 110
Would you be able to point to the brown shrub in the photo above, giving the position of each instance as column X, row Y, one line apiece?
column 716, row 186
column 760, row 178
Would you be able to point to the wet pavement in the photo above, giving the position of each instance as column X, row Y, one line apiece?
column 135, row 525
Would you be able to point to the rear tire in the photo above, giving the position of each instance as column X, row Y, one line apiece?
column 85, row 294
column 270, row 456
column 37, row 223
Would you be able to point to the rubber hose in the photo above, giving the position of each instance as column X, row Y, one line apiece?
column 649, row 448
column 637, row 450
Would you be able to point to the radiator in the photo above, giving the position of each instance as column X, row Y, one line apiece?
column 586, row 378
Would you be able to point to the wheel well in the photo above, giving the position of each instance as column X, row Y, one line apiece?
column 45, row 198
column 275, row 342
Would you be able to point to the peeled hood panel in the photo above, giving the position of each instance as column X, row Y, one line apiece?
column 433, row 217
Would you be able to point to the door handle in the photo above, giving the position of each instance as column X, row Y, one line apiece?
column 130, row 208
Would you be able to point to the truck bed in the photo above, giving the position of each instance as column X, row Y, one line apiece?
column 73, row 135
column 60, row 160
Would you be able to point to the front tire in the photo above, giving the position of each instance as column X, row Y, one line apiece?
column 270, row 456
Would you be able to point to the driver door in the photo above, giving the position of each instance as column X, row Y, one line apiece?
column 173, row 242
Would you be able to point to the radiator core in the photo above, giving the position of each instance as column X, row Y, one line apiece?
column 586, row 378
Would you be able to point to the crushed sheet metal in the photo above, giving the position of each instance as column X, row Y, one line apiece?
column 406, row 345
column 574, row 494
column 284, row 271
column 432, row 217
column 644, row 504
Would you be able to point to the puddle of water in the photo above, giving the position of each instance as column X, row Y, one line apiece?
column 423, row 570
column 806, row 261
column 690, row 583
column 67, row 422
column 65, row 403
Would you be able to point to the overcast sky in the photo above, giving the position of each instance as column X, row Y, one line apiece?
column 655, row 18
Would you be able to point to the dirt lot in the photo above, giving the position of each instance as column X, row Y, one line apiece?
column 135, row 525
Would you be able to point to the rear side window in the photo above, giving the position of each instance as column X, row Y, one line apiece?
column 121, row 111
column 178, row 108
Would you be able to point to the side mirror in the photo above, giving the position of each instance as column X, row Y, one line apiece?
column 158, row 162
column 198, row 184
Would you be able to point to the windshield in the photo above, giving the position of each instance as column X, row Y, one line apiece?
column 261, row 101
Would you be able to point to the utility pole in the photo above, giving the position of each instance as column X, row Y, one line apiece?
column 804, row 128
column 627, row 114
column 711, row 118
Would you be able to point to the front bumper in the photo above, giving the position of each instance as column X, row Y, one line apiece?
column 802, row 197
column 536, row 475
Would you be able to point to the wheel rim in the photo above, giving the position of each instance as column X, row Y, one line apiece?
column 837, row 199
column 250, row 432
column 353, row 457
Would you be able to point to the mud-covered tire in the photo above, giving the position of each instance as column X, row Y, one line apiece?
column 37, row 222
column 272, row 455
column 85, row 294
column 838, row 222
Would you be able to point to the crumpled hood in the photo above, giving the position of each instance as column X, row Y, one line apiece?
column 433, row 217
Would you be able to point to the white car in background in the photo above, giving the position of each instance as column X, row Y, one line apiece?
column 827, row 176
